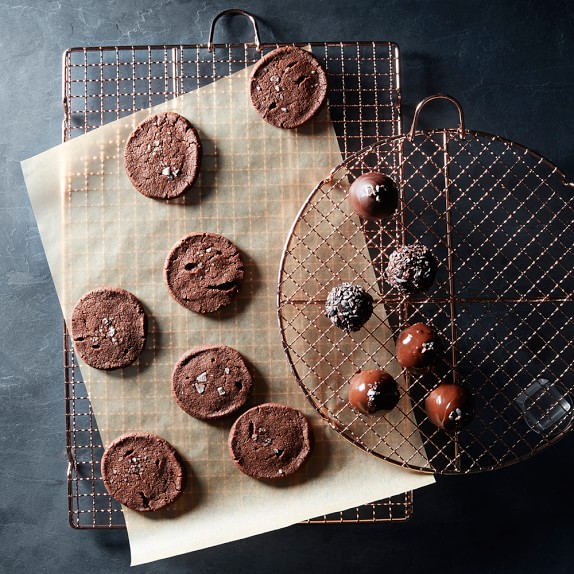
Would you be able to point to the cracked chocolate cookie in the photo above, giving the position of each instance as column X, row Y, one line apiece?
column 142, row 471
column 211, row 382
column 109, row 328
column 163, row 156
column 203, row 272
column 288, row 86
column 270, row 441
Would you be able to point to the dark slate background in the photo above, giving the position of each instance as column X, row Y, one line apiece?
column 511, row 65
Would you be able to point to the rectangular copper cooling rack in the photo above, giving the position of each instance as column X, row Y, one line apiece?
column 103, row 84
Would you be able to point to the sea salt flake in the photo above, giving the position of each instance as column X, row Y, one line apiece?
column 199, row 387
column 226, row 370
column 221, row 391
column 201, row 378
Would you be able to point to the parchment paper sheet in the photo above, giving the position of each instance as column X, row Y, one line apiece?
column 97, row 230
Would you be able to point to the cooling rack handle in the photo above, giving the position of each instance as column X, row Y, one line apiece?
column 241, row 13
column 424, row 102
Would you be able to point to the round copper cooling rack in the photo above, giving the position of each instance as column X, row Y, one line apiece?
column 499, row 218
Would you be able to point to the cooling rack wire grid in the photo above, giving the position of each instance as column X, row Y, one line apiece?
column 103, row 84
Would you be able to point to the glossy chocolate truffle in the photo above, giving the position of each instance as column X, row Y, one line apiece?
column 374, row 196
column 449, row 407
column 411, row 268
column 373, row 390
column 348, row 306
column 418, row 347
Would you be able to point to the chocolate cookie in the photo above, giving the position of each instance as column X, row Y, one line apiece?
column 210, row 382
column 374, row 196
column 203, row 272
column 163, row 156
column 348, row 306
column 270, row 441
column 372, row 391
column 288, row 86
column 109, row 328
column 142, row 471
column 450, row 407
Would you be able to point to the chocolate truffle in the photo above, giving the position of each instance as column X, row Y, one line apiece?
column 288, row 86
column 374, row 196
column 449, row 406
column 211, row 381
column 373, row 390
column 348, row 306
column 418, row 347
column 411, row 268
column 109, row 328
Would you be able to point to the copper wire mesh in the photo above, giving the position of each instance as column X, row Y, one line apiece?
column 102, row 84
column 500, row 220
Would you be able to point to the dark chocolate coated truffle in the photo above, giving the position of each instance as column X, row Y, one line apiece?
column 373, row 390
column 449, row 406
column 411, row 268
column 374, row 196
column 348, row 306
column 418, row 347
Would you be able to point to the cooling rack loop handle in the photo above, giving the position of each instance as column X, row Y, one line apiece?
column 421, row 105
column 241, row 13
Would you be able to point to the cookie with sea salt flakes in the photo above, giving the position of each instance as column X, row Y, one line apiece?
column 288, row 86
column 109, row 328
column 142, row 471
column 163, row 156
column 211, row 382
column 203, row 272
column 270, row 441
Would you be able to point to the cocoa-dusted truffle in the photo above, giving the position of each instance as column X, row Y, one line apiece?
column 418, row 347
column 349, row 306
column 449, row 406
column 374, row 196
column 411, row 268
column 373, row 390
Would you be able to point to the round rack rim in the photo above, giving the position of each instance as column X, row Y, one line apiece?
column 353, row 161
